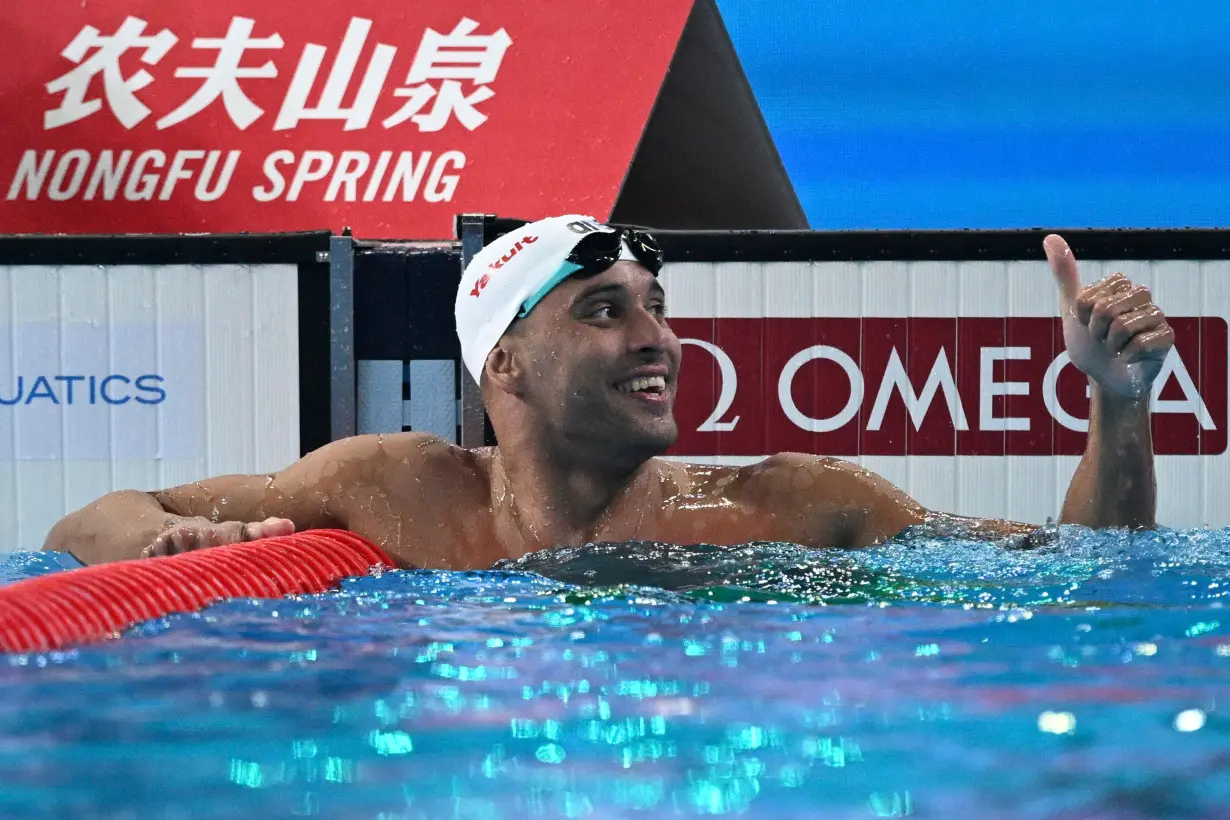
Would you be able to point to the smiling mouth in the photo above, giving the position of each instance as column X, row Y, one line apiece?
column 644, row 385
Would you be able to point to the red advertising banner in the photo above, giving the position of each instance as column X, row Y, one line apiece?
column 923, row 386
column 389, row 116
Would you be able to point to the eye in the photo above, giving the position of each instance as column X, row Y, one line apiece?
column 658, row 309
column 603, row 312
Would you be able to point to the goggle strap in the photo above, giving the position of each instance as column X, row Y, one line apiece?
column 565, row 270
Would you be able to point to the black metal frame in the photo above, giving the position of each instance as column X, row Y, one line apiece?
column 915, row 246
column 947, row 246
column 476, row 428
column 159, row 249
column 309, row 251
column 403, row 308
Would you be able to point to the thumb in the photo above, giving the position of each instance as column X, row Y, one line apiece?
column 1063, row 266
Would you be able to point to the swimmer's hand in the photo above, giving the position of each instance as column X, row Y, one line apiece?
column 184, row 534
column 1112, row 330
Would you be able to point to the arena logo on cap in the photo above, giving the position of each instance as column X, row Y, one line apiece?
column 584, row 226
column 481, row 284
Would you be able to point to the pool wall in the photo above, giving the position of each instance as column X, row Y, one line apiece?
column 147, row 362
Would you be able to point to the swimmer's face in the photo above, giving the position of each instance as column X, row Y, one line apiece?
column 602, row 360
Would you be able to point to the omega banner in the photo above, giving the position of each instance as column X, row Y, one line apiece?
column 389, row 116
column 924, row 386
column 924, row 359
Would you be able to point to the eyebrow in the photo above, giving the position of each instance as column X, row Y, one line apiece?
column 597, row 290
column 603, row 290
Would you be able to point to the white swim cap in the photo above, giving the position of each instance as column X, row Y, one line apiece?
column 512, row 274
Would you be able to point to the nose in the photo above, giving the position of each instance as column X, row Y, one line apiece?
column 647, row 333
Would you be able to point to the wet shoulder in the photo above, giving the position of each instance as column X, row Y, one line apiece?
column 738, row 484
column 815, row 500
column 704, row 479
column 793, row 481
column 393, row 459
column 778, row 476
column 818, row 479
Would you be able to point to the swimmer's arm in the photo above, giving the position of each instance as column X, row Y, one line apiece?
column 1114, row 485
column 848, row 506
column 1008, row 534
column 121, row 525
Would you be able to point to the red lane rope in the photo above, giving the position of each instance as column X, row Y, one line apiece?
column 93, row 603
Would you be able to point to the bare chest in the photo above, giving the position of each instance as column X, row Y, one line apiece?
column 421, row 527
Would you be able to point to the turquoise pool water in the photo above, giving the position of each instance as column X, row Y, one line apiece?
column 931, row 678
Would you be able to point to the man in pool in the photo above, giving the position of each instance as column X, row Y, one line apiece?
column 563, row 324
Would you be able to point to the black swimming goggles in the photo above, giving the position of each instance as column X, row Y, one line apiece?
column 599, row 250
column 594, row 253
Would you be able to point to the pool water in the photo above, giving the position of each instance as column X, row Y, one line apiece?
column 931, row 678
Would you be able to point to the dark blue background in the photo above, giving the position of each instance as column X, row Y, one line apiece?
column 962, row 114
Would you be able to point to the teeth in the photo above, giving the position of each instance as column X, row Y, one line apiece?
column 654, row 384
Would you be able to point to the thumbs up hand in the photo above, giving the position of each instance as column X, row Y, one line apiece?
column 1112, row 330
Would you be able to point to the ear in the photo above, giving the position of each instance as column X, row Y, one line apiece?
column 503, row 367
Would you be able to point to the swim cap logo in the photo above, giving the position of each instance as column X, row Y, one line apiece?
column 585, row 227
column 501, row 262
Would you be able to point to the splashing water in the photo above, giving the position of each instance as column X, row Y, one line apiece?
column 930, row 677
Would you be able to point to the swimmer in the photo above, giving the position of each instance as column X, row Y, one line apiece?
column 564, row 325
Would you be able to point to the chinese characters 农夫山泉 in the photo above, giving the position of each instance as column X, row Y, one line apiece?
column 450, row 60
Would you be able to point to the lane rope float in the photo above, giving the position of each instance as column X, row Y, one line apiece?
column 90, row 604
